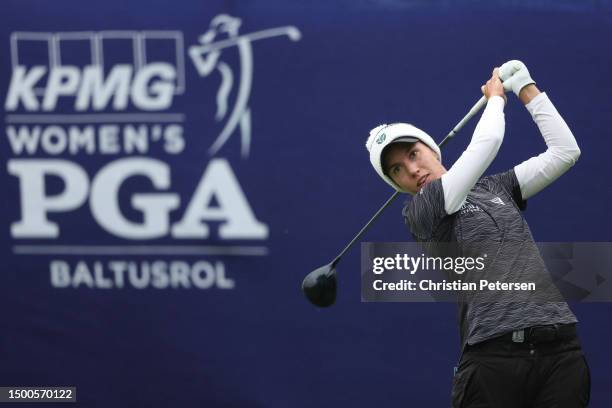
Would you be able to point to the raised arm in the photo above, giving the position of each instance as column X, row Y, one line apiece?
column 562, row 150
column 481, row 151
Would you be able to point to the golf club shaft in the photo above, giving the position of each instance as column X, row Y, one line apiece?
column 365, row 227
column 475, row 109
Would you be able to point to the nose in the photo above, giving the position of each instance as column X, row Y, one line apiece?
column 413, row 169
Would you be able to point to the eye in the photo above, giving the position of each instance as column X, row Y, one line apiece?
column 395, row 170
column 412, row 154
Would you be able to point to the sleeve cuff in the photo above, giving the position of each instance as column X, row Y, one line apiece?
column 496, row 103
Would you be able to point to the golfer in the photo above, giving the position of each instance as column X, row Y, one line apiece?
column 514, row 354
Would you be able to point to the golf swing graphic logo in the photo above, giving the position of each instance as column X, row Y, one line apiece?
column 78, row 98
column 206, row 58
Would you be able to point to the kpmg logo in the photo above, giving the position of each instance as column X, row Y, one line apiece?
column 111, row 97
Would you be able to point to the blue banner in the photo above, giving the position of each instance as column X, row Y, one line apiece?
column 172, row 171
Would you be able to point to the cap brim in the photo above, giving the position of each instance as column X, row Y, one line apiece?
column 405, row 139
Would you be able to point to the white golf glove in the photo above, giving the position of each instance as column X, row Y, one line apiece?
column 515, row 76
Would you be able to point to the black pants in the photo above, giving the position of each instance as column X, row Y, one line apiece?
column 502, row 373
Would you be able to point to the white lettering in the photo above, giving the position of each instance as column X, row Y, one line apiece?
column 108, row 136
column 179, row 274
column 159, row 275
column 150, row 88
column 97, row 92
column 22, row 88
column 81, row 138
column 63, row 80
column 35, row 204
column 139, row 282
column 82, row 276
column 140, row 275
column 135, row 139
column 159, row 94
column 118, row 268
column 24, row 138
column 54, row 140
column 219, row 181
column 104, row 200
column 60, row 274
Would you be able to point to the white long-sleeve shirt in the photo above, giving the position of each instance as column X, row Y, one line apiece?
column 469, row 167
column 538, row 172
column 533, row 174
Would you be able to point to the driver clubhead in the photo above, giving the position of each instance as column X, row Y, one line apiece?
column 319, row 286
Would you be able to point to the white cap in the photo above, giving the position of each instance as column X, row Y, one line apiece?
column 383, row 135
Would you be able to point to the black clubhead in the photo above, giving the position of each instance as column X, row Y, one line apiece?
column 319, row 286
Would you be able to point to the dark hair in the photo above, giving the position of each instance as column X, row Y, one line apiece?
column 383, row 155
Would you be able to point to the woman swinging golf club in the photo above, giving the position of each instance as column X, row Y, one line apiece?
column 514, row 354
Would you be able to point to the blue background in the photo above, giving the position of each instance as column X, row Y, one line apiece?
column 359, row 63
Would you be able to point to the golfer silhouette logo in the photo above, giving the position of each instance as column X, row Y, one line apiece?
column 207, row 58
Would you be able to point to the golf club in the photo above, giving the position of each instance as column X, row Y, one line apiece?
column 320, row 285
